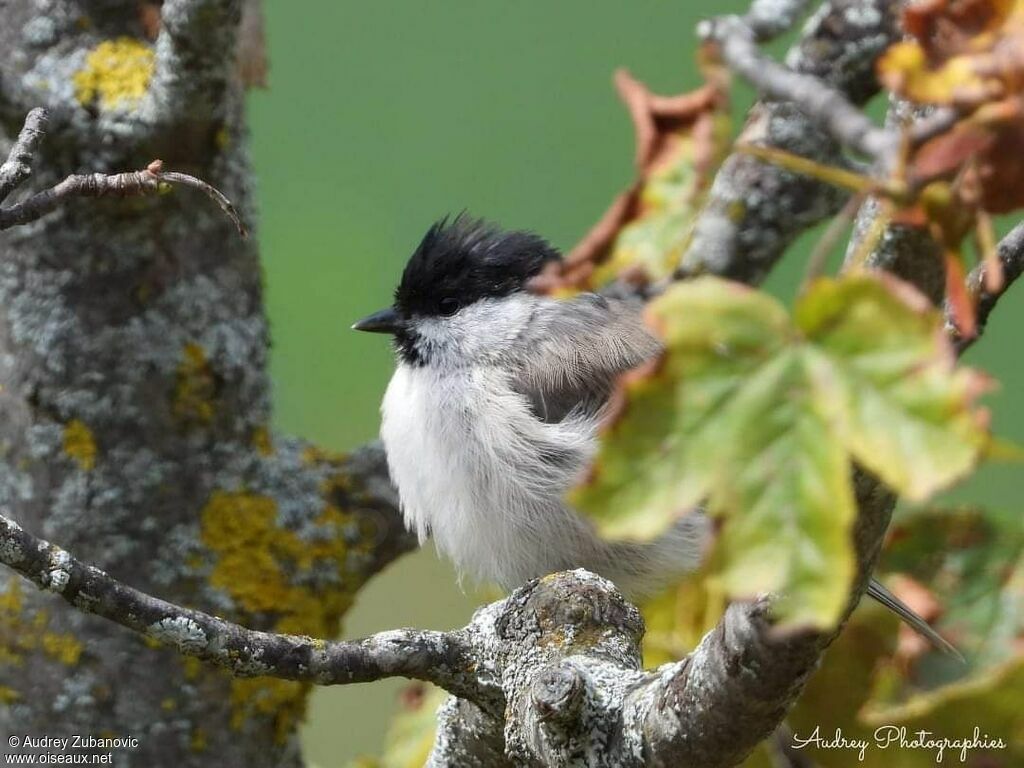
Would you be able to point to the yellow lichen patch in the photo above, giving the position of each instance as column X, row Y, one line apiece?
column 262, row 442
column 314, row 454
column 222, row 138
column 116, row 73
column 80, row 444
column 241, row 529
column 265, row 569
column 20, row 634
column 283, row 701
column 192, row 666
column 10, row 601
column 198, row 741
column 63, row 647
column 261, row 565
column 195, row 388
column 8, row 695
column 10, row 624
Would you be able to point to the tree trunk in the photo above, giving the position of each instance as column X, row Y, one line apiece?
column 135, row 408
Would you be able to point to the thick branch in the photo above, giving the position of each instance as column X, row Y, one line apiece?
column 725, row 697
column 712, row 708
column 135, row 413
column 435, row 657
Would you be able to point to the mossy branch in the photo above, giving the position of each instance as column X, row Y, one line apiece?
column 561, row 656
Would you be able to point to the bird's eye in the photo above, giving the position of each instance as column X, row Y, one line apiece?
column 448, row 306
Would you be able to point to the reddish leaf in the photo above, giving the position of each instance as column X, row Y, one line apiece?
column 672, row 133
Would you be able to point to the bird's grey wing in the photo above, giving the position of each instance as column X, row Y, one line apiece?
column 575, row 349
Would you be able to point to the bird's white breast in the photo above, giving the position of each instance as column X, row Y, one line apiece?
column 465, row 452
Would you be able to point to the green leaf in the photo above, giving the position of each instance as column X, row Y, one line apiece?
column 974, row 561
column 790, row 487
column 657, row 462
column 989, row 701
column 761, row 417
column 910, row 415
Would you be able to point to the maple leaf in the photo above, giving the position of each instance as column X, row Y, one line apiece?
column 763, row 415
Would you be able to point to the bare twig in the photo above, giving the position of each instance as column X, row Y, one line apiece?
column 822, row 103
column 18, row 165
column 437, row 657
column 151, row 181
column 184, row 180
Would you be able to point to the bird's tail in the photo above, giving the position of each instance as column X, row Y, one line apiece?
column 879, row 592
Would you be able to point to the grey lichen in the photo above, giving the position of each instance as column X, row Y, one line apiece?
column 11, row 552
column 40, row 31
column 179, row 631
column 57, row 575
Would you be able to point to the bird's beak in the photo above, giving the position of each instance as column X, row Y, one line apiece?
column 384, row 321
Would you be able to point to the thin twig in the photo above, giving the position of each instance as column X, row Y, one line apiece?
column 145, row 183
column 935, row 123
column 183, row 179
column 437, row 657
column 822, row 103
column 18, row 165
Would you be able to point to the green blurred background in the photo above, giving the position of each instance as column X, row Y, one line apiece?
column 382, row 117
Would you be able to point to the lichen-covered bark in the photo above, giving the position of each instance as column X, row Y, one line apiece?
column 135, row 411
column 756, row 210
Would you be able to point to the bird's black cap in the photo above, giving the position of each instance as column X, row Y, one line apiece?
column 457, row 263
column 464, row 260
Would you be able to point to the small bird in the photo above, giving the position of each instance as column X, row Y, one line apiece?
column 493, row 412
